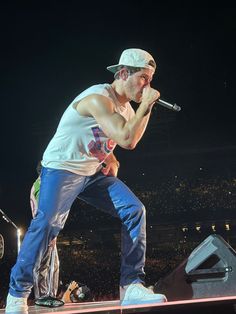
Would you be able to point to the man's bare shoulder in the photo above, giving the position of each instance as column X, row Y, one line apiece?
column 94, row 103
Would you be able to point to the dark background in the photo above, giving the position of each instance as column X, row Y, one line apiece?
column 51, row 51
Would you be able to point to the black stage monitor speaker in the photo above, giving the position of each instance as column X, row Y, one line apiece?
column 209, row 271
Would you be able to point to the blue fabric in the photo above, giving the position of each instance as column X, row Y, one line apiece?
column 58, row 190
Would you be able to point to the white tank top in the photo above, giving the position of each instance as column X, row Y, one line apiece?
column 79, row 145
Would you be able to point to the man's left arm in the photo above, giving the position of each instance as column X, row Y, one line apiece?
column 111, row 165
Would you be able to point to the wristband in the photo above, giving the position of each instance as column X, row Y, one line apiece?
column 118, row 164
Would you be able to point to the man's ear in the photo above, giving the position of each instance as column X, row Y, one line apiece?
column 124, row 74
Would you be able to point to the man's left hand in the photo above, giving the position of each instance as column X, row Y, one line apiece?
column 111, row 169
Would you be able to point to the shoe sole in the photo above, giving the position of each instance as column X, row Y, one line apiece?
column 137, row 302
column 16, row 312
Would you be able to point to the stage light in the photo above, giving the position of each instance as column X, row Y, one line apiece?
column 213, row 227
column 18, row 234
column 198, row 228
column 227, row 227
column 1, row 246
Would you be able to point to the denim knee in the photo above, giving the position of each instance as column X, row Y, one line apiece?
column 134, row 215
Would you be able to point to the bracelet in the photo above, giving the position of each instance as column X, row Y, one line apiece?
column 118, row 164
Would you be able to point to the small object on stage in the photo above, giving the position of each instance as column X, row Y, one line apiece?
column 49, row 301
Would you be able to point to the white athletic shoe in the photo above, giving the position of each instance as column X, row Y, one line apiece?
column 16, row 305
column 138, row 294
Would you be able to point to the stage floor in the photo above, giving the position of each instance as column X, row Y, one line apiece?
column 225, row 305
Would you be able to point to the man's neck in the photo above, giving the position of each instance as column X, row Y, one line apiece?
column 120, row 95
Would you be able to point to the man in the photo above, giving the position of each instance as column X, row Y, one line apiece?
column 96, row 121
column 46, row 270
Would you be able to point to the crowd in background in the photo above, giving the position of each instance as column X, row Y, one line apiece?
column 173, row 199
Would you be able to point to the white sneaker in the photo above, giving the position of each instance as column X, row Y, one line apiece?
column 16, row 305
column 138, row 294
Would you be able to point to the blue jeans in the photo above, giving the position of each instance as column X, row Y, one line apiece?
column 46, row 278
column 58, row 190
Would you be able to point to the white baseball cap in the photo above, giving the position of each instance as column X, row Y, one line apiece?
column 134, row 57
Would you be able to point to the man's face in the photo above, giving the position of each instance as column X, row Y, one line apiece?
column 136, row 82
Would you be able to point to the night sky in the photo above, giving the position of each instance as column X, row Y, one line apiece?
column 51, row 52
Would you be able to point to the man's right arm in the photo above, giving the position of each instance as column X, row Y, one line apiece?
column 125, row 133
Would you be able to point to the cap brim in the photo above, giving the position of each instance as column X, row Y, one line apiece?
column 113, row 68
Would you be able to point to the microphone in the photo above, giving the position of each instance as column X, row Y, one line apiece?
column 167, row 105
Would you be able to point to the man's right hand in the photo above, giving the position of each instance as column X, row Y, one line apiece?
column 150, row 96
